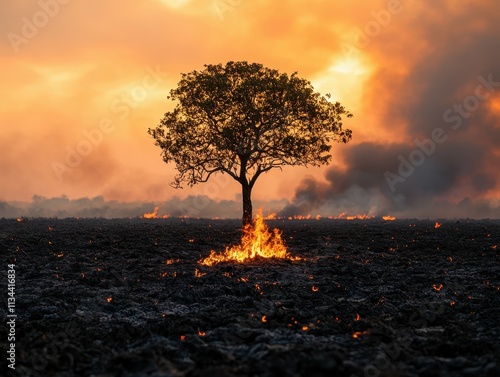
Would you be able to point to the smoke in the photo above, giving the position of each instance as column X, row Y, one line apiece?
column 447, row 163
column 192, row 206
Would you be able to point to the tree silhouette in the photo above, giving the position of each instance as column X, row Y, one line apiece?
column 245, row 119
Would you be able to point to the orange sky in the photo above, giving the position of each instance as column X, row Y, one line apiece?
column 69, row 67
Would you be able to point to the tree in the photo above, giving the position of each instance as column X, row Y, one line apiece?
column 245, row 119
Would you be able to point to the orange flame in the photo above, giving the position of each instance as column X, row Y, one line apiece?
column 154, row 214
column 388, row 218
column 437, row 225
column 271, row 216
column 341, row 216
column 299, row 217
column 257, row 240
column 364, row 216
column 344, row 216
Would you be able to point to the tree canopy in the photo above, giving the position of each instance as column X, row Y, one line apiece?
column 244, row 119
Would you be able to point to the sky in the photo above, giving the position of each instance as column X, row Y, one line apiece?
column 84, row 80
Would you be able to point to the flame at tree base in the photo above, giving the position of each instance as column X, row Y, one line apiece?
column 257, row 240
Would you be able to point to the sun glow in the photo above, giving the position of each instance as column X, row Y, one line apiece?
column 348, row 66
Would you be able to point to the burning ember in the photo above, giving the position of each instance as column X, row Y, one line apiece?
column 437, row 287
column 358, row 334
column 437, row 225
column 257, row 240
column 388, row 218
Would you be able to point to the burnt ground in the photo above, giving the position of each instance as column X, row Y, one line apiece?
column 372, row 298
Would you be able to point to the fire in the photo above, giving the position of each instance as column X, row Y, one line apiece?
column 109, row 299
column 437, row 225
column 271, row 216
column 257, row 240
column 388, row 218
column 344, row 216
column 154, row 214
column 299, row 217
column 364, row 216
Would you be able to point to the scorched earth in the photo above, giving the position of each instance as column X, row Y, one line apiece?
column 128, row 297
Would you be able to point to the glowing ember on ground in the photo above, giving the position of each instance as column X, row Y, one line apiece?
column 199, row 274
column 437, row 225
column 257, row 240
column 357, row 334
column 437, row 287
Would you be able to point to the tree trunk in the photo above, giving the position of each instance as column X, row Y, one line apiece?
column 247, row 203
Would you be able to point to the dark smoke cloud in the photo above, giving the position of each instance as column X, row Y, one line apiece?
column 456, row 177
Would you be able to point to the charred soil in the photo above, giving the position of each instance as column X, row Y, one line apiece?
column 127, row 297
